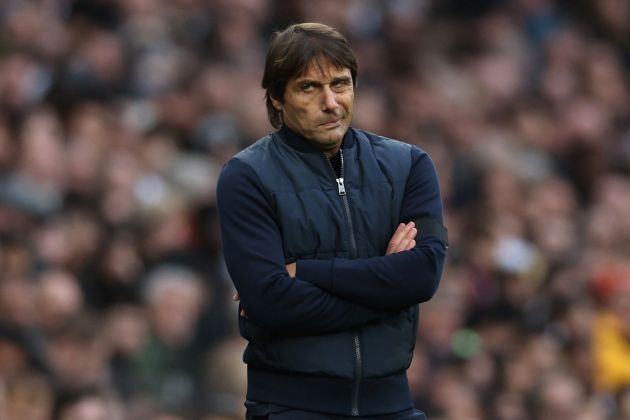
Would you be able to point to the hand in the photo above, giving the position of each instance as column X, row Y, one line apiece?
column 291, row 269
column 236, row 298
column 403, row 239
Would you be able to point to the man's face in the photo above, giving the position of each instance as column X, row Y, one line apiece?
column 318, row 104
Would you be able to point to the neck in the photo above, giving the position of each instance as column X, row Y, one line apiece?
column 332, row 152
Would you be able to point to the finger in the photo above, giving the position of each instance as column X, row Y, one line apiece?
column 411, row 234
column 406, row 244
column 402, row 231
column 409, row 241
column 236, row 297
column 398, row 236
column 291, row 268
column 400, row 241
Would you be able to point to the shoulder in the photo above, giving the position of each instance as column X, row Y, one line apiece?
column 241, row 166
column 391, row 146
column 235, row 175
column 377, row 140
column 239, row 170
column 401, row 157
column 254, row 150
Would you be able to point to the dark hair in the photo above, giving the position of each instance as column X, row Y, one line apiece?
column 292, row 51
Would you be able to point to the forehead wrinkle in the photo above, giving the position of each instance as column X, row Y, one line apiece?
column 321, row 66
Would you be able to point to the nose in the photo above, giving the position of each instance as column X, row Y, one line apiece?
column 329, row 99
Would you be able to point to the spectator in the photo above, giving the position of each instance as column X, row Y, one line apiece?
column 611, row 329
column 165, row 368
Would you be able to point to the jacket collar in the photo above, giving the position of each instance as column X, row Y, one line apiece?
column 299, row 143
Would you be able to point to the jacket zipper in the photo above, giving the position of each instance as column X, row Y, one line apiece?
column 358, row 363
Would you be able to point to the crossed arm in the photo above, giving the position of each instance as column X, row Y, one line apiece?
column 402, row 240
column 408, row 273
column 326, row 295
column 252, row 248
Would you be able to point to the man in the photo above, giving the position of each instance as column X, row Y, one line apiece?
column 332, row 236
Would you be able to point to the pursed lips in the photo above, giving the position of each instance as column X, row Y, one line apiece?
column 332, row 122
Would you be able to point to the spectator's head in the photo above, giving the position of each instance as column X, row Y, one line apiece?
column 620, row 305
column 610, row 284
column 17, row 303
column 454, row 398
column 27, row 396
column 14, row 358
column 58, row 299
column 77, row 355
column 126, row 329
column 174, row 296
column 87, row 404
column 510, row 406
column 559, row 395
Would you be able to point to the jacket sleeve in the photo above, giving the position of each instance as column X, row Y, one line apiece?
column 252, row 247
column 395, row 281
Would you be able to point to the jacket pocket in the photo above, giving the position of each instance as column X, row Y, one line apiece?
column 388, row 345
column 328, row 355
column 325, row 354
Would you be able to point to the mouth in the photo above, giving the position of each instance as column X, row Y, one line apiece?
column 331, row 124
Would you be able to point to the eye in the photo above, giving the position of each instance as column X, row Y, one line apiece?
column 340, row 84
column 306, row 87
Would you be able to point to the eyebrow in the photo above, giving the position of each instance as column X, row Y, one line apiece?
column 345, row 79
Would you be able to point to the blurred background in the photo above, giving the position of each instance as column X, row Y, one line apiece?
column 117, row 115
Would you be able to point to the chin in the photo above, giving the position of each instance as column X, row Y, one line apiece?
column 335, row 135
column 332, row 141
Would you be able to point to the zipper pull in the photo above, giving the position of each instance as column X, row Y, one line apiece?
column 341, row 187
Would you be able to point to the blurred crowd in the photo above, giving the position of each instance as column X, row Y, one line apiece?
column 117, row 115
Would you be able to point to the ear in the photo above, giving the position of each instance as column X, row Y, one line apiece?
column 276, row 104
